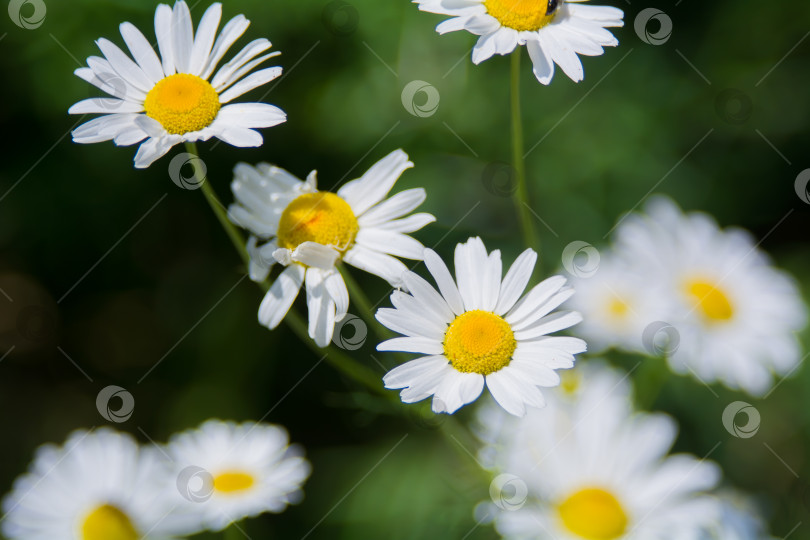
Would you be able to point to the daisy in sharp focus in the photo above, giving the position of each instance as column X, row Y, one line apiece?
column 310, row 231
column 736, row 315
column 98, row 486
column 479, row 329
column 249, row 468
column 593, row 469
column 553, row 31
column 173, row 98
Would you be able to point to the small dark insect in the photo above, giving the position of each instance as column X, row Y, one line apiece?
column 553, row 5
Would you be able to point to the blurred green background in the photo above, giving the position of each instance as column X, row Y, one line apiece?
column 88, row 290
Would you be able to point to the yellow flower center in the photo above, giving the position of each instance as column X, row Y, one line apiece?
column 108, row 523
column 233, row 481
column 593, row 514
column 710, row 301
column 618, row 307
column 570, row 381
column 524, row 15
column 318, row 217
column 479, row 342
column 182, row 103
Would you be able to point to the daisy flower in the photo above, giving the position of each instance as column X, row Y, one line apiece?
column 737, row 316
column 553, row 31
column 615, row 310
column 593, row 469
column 479, row 329
column 98, row 486
column 174, row 99
column 309, row 231
column 250, row 469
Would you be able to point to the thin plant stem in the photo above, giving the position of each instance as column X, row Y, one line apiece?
column 342, row 362
column 521, row 194
column 218, row 208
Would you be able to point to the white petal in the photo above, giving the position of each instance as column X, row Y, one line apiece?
column 336, row 288
column 444, row 281
column 247, row 68
column 250, row 82
column 408, row 325
column 379, row 264
column 142, row 52
column 470, row 260
column 316, row 255
column 428, row 297
column 548, row 325
column 504, row 392
column 280, row 297
column 124, row 66
column 250, row 51
column 204, row 39
column 534, row 299
column 152, row 150
column 515, row 281
column 542, row 65
column 409, row 224
column 105, row 105
column 250, row 115
column 232, row 31
column 238, row 136
column 182, row 36
column 320, row 308
column 372, row 187
column 395, row 207
column 165, row 39
column 403, row 375
column 420, row 345
column 392, row 243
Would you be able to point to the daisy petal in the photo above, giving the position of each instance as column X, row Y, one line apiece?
column 280, row 297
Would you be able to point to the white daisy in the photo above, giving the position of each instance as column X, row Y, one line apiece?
column 98, row 486
column 243, row 470
column 553, row 31
column 737, row 316
column 479, row 328
column 173, row 99
column 740, row 519
column 593, row 469
column 615, row 308
column 310, row 231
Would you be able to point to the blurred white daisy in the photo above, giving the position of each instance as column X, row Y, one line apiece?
column 227, row 472
column 736, row 315
column 740, row 519
column 553, row 31
column 479, row 329
column 310, row 231
column 98, row 486
column 593, row 469
column 173, row 99
column 615, row 309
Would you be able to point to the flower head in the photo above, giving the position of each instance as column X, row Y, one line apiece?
column 590, row 468
column 553, row 31
column 479, row 329
column 735, row 314
column 309, row 231
column 179, row 96
column 243, row 470
column 98, row 486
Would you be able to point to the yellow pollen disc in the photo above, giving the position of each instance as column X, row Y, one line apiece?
column 233, row 481
column 618, row 307
column 479, row 342
column 593, row 514
column 108, row 523
column 523, row 15
column 710, row 301
column 182, row 103
column 570, row 381
column 320, row 217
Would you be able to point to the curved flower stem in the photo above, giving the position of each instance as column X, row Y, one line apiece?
column 521, row 195
column 218, row 208
column 342, row 362
column 358, row 296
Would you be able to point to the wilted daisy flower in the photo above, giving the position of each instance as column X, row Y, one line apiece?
column 593, row 469
column 172, row 99
column 310, row 231
column 98, row 486
column 615, row 309
column 227, row 471
column 736, row 315
column 479, row 329
column 553, row 31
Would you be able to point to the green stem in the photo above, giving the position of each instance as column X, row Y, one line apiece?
column 219, row 209
column 344, row 363
column 521, row 195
